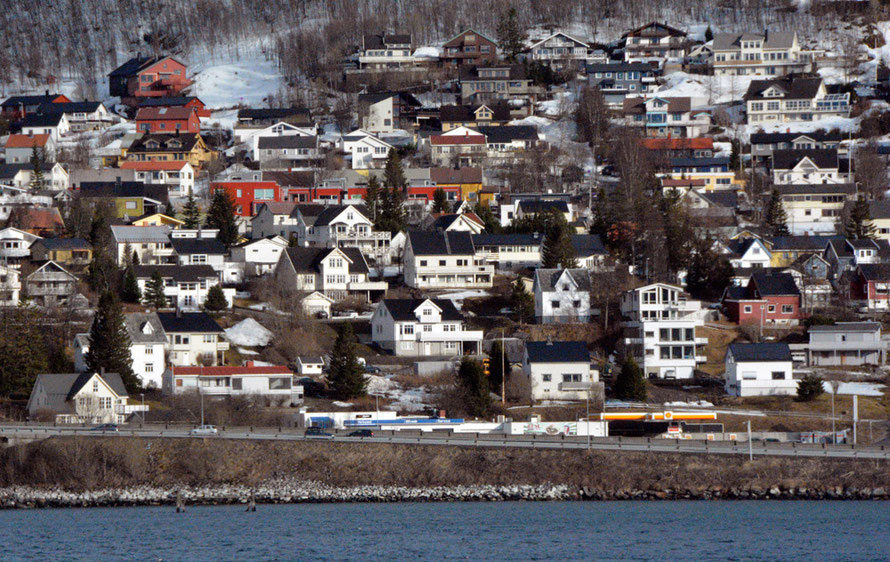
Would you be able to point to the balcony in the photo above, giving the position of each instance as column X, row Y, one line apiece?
column 456, row 270
column 439, row 335
column 359, row 237
column 129, row 408
column 367, row 286
column 577, row 386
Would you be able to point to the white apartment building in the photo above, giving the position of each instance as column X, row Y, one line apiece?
column 774, row 53
column 444, row 260
column 423, row 328
column 659, row 323
column 814, row 209
column 791, row 99
column 759, row 369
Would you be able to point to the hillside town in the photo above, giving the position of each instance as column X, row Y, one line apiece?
column 519, row 229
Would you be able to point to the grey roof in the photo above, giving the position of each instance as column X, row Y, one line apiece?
column 875, row 271
column 775, row 284
column 771, row 40
column 816, row 189
column 728, row 199
column 588, row 245
column 308, row 260
column 548, row 278
column 191, row 322
column 379, row 41
column 695, row 162
column 140, row 234
column 288, row 141
column 811, row 243
column 507, row 239
column 756, row 352
column 534, row 206
column 471, row 73
column 71, row 107
column 209, row 246
column 179, row 273
column 557, row 352
column 165, row 142
column 441, row 243
column 821, row 157
column 848, row 327
column 879, row 209
column 64, row 243
column 135, row 323
column 403, row 309
column 62, row 387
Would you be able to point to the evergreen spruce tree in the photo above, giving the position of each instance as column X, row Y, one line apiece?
column 709, row 35
column 511, row 36
column 345, row 375
column 221, row 216
column 809, row 387
column 216, row 300
column 859, row 223
column 135, row 259
column 394, row 217
column 497, row 366
column 522, row 301
column 191, row 213
column 630, row 384
column 38, row 159
column 130, row 291
column 474, row 383
column 110, row 343
column 557, row 250
column 23, row 349
column 492, row 225
column 394, row 173
column 440, row 201
column 776, row 217
column 372, row 199
column 154, row 292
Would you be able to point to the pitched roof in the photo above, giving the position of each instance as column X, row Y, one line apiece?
column 187, row 246
column 150, row 165
column 847, row 327
column 193, row 322
column 157, row 192
column 29, row 100
column 879, row 209
column 812, row 243
column 444, row 221
column 548, row 278
column 140, row 234
column 288, row 141
column 534, row 206
column 379, row 41
column 521, row 239
column 702, row 143
column 42, row 120
column 471, row 73
column 135, row 323
column 276, row 208
column 291, row 179
column 272, row 113
column 69, row 107
column 134, row 65
column 26, row 141
column 441, row 243
column 64, row 243
column 499, row 112
column 164, row 113
column 187, row 142
column 441, row 176
column 179, row 273
column 816, row 189
column 509, row 133
column 728, row 199
column 795, row 87
column 588, row 245
column 169, row 101
column 229, row 370
column 875, row 271
column 775, row 284
column 331, row 212
column 821, row 157
column 759, row 352
column 818, row 135
column 437, row 140
column 308, row 260
column 640, row 67
column 557, row 352
column 403, row 309
column 36, row 218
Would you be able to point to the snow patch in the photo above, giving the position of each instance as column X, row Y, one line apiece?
column 249, row 81
column 341, row 404
column 860, row 388
column 249, row 333
column 691, row 404
column 245, row 351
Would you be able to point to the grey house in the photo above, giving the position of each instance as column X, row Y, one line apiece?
column 287, row 151
column 617, row 80
column 846, row 343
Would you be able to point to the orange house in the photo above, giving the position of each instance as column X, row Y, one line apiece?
column 148, row 77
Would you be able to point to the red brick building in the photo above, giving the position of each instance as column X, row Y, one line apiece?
column 168, row 120
column 249, row 195
column 770, row 298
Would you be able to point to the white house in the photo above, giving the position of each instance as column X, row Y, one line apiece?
column 54, row 124
column 558, row 50
column 274, row 384
column 759, row 369
column 80, row 398
column 147, row 343
column 745, row 253
column 793, row 99
column 317, row 304
column 847, row 343
column 260, row 256
column 386, row 51
column 254, row 137
column 458, row 222
column 10, row 286
column 338, row 273
column 15, row 245
column 562, row 296
column 185, row 286
column 558, row 370
column 20, row 148
column 151, row 243
column 659, row 323
column 367, row 150
column 55, row 177
column 310, row 365
column 275, row 219
column 444, row 260
column 818, row 165
column 199, row 251
column 193, row 338
column 771, row 53
column 177, row 175
column 422, row 327
column 341, row 226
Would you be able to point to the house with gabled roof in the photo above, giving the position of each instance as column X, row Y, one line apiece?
column 559, row 50
column 845, row 254
column 469, row 48
column 180, row 119
column 759, row 369
column 185, row 286
column 81, row 115
column 16, row 108
column 444, row 260
column 366, row 149
column 562, row 296
column 484, row 115
column 870, row 286
column 815, row 209
column 453, row 222
column 274, row 384
column 259, row 256
column 764, row 144
column 193, row 338
column 147, row 344
column 275, row 219
column 338, row 273
column 792, row 99
column 667, row 116
column 423, row 328
column 655, row 43
column 386, row 51
column 559, row 370
column 164, row 147
column 20, row 148
column 55, row 125
column 786, row 250
column 499, row 81
column 769, row 298
column 68, row 252
column 285, row 152
column 771, row 53
column 50, row 285
column 809, row 167
column 150, row 76
column 81, row 398
column 342, row 226
column 40, row 221
column 745, row 253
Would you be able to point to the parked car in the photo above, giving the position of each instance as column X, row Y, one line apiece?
column 318, row 433
column 204, row 430
column 372, row 369
column 321, row 315
column 361, row 433
column 106, row 427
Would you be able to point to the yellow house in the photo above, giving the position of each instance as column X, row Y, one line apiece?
column 64, row 251
column 454, row 116
column 163, row 147
column 467, row 180
column 158, row 219
column 785, row 250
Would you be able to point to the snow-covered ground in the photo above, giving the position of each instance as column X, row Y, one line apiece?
column 248, row 81
column 249, row 333
column 860, row 388
column 457, row 297
column 403, row 399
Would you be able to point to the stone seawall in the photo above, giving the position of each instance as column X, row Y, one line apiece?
column 288, row 491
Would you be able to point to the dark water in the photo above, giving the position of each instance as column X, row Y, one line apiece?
column 853, row 531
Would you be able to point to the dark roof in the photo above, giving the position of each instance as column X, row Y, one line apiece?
column 272, row 113
column 171, row 101
column 499, row 112
column 848, row 327
column 64, row 243
column 641, row 67
column 444, row 221
column 291, row 179
column 288, row 141
column 42, row 120
column 15, row 101
column 509, row 133
column 194, row 322
column 547, row 278
column 821, row 157
column 441, row 243
column 811, row 243
column 507, row 239
column 188, row 141
column 403, row 309
column 751, row 352
column 557, row 352
column 775, row 284
column 210, row 246
column 70, row 107
column 403, row 97
column 179, row 273
column 307, row 260
column 695, row 162
column 795, row 87
column 541, row 205
column 875, row 271
column 777, row 138
column 134, row 65
column 379, row 41
column 817, row 188
column 517, row 72
column 111, row 379
column 728, row 199
column 158, row 192
column 333, row 211
column 588, row 245
column 735, row 293
column 879, row 209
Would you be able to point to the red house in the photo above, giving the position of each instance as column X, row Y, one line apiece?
column 770, row 298
column 177, row 101
column 249, row 195
column 150, row 77
column 168, row 120
column 871, row 285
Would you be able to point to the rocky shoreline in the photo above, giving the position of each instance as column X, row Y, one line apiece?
column 287, row 491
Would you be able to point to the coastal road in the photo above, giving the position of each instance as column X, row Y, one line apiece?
column 13, row 434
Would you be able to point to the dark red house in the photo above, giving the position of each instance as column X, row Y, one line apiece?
column 168, row 120
column 177, row 101
column 770, row 297
column 249, row 195
column 871, row 285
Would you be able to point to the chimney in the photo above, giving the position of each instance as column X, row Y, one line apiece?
column 250, row 363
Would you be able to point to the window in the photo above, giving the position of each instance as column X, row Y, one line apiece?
column 427, row 328
column 778, row 376
column 546, row 378
column 131, row 205
column 450, row 345
column 149, row 368
column 747, row 309
column 408, row 329
column 209, row 338
column 771, row 308
column 554, row 304
column 95, row 386
column 787, row 309
column 280, row 383
column 571, row 378
column 150, row 350
column 236, row 384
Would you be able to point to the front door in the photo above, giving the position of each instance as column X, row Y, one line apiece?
column 427, row 348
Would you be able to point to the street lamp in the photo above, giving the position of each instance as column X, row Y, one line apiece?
column 142, row 396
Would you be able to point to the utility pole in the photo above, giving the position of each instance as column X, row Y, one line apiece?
column 855, row 416
column 750, row 445
column 834, row 385
column 503, row 370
